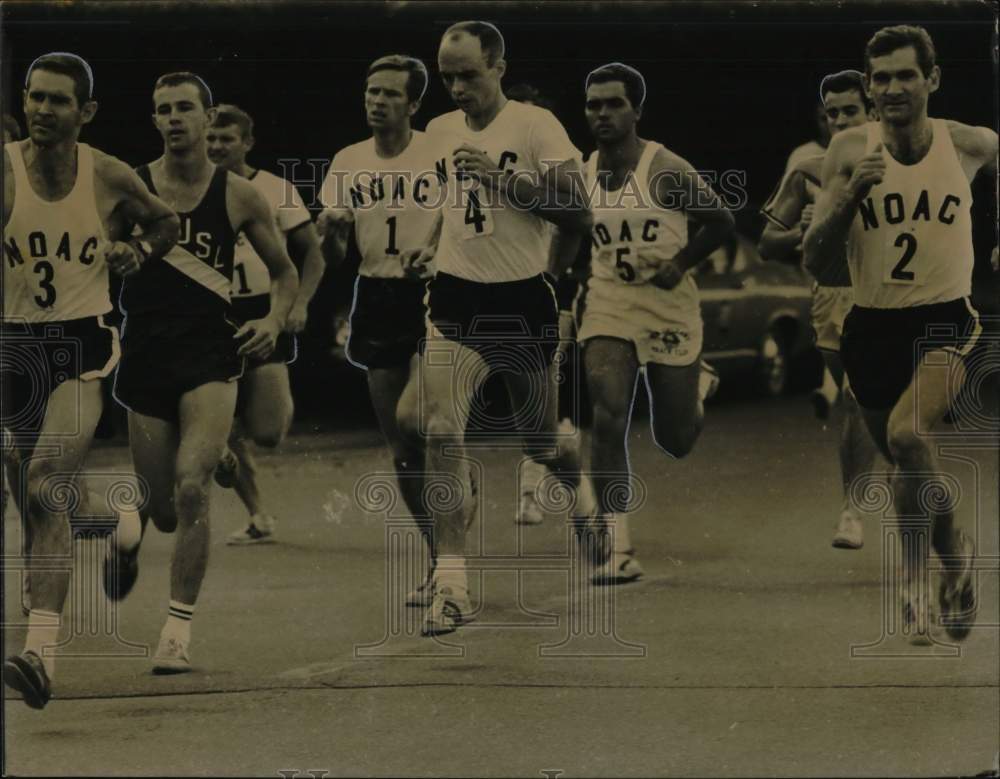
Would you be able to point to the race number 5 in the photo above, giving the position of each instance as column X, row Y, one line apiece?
column 625, row 270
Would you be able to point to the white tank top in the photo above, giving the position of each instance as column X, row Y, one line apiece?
column 394, row 202
column 51, row 248
column 910, row 243
column 486, row 236
column 632, row 236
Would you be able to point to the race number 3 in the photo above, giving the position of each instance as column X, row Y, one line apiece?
column 46, row 272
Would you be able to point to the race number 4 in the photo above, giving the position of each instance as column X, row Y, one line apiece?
column 478, row 221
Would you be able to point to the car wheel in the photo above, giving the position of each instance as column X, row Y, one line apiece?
column 772, row 366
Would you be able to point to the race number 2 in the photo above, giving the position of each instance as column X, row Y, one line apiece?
column 908, row 243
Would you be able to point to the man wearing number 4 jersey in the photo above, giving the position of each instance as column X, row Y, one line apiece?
column 640, row 306
column 511, row 168
column 388, row 189
column 789, row 213
column 897, row 192
column 66, row 209
column 264, row 405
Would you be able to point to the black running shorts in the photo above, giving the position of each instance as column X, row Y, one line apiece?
column 164, row 357
column 512, row 325
column 388, row 321
column 881, row 347
column 39, row 356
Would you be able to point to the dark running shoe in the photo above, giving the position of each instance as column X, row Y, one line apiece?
column 227, row 469
column 121, row 569
column 957, row 594
column 26, row 674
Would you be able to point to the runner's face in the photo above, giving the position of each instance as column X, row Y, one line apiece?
column 179, row 116
column 899, row 88
column 226, row 147
column 51, row 109
column 470, row 81
column 844, row 110
column 386, row 102
column 609, row 113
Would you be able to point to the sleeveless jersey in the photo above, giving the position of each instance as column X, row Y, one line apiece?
column 910, row 243
column 484, row 237
column 53, row 266
column 393, row 202
column 632, row 236
column 194, row 277
column 250, row 274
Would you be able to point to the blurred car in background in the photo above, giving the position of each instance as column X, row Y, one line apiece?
column 757, row 322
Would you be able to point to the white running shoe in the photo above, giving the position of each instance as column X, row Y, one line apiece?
column 850, row 532
column 260, row 531
column 708, row 382
column 529, row 512
column 449, row 610
column 621, row 568
column 171, row 657
column 422, row 595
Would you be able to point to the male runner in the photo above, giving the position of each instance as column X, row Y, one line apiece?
column 897, row 193
column 65, row 205
column 789, row 213
column 489, row 305
column 566, row 285
column 265, row 398
column 388, row 190
column 640, row 308
column 182, row 354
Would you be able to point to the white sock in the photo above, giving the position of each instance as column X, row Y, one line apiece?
column 532, row 474
column 43, row 631
column 178, row 623
column 261, row 521
column 586, row 500
column 450, row 572
column 618, row 523
column 128, row 534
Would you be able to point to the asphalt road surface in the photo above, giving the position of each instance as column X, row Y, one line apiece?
column 750, row 647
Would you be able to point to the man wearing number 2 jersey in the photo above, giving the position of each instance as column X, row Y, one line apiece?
column 264, row 404
column 489, row 306
column 897, row 192
column 388, row 189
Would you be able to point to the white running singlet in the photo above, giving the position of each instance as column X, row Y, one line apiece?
column 910, row 243
column 393, row 202
column 250, row 274
column 51, row 249
column 485, row 238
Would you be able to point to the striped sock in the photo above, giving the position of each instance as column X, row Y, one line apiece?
column 179, row 621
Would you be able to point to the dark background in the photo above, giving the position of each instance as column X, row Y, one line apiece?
column 731, row 85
